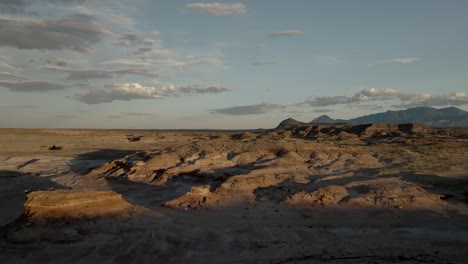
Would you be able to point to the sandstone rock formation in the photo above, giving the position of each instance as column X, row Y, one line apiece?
column 325, row 196
column 69, row 205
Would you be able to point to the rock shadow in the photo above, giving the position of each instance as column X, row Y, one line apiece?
column 152, row 194
column 278, row 192
column 14, row 186
column 84, row 163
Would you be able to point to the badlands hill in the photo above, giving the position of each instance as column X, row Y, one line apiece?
column 305, row 166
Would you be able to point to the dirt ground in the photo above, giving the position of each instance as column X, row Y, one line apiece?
column 312, row 194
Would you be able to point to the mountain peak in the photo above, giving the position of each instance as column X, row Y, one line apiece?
column 430, row 116
column 323, row 119
column 288, row 123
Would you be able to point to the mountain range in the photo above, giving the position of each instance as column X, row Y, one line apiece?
column 429, row 116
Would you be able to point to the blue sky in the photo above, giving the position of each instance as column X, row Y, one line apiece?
column 233, row 64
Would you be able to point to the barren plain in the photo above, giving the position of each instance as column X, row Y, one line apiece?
column 299, row 194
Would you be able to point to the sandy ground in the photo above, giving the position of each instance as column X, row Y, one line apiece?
column 294, row 196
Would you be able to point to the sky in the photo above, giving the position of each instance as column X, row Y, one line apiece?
column 149, row 64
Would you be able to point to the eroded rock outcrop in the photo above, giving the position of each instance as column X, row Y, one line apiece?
column 325, row 196
column 56, row 205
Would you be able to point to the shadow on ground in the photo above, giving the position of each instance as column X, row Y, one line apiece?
column 13, row 188
column 84, row 163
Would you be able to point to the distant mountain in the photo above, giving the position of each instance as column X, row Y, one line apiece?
column 445, row 117
column 288, row 123
column 324, row 119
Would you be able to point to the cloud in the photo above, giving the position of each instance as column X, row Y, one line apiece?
column 324, row 59
column 19, row 106
column 118, row 92
column 398, row 61
column 169, row 61
column 105, row 74
column 4, row 64
column 32, row 86
column 286, row 33
column 295, row 112
column 14, row 6
column 369, row 94
column 132, row 39
column 87, row 74
column 457, row 99
column 198, row 90
column 200, row 64
column 138, row 42
column 370, row 107
column 129, row 62
column 323, row 110
column 218, row 9
column 131, row 91
column 138, row 114
column 262, row 63
column 64, row 116
column 373, row 94
column 57, row 62
column 248, row 109
column 6, row 76
column 77, row 32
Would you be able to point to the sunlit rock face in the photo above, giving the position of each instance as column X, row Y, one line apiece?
column 74, row 205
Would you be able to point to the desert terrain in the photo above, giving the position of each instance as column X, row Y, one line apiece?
column 296, row 194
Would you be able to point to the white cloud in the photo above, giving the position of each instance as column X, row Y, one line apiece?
column 407, row 99
column 286, row 33
column 248, row 109
column 130, row 91
column 77, row 32
column 398, row 61
column 218, row 9
column 118, row 92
